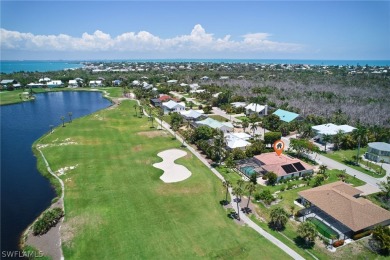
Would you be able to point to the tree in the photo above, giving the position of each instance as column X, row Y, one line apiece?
column 237, row 191
column 63, row 121
column 385, row 188
column 240, row 182
column 136, row 109
column 152, row 120
column 271, row 137
column 381, row 236
column 176, row 119
column 227, row 185
column 323, row 169
column 318, row 180
column 245, row 123
column 359, row 133
column 70, row 114
column 337, row 139
column 175, row 128
column 292, row 210
column 218, row 151
column 272, row 178
column 326, row 139
column 279, row 218
column 250, row 187
column 203, row 133
column 272, row 122
column 253, row 128
column 307, row 230
column 229, row 162
column 253, row 178
column 284, row 128
column 141, row 110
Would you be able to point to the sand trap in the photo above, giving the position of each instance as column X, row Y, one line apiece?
column 172, row 172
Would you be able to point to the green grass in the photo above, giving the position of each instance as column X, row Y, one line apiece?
column 11, row 97
column 218, row 118
column 241, row 117
column 117, row 207
column 323, row 229
column 345, row 157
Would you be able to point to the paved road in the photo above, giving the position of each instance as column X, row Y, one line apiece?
column 245, row 218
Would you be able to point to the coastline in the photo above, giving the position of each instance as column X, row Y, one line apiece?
column 50, row 244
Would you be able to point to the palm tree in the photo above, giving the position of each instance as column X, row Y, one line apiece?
column 152, row 120
column 218, row 146
column 326, row 139
column 70, row 114
column 63, row 121
column 337, row 138
column 279, row 218
column 226, row 184
column 136, row 109
column 359, row 133
column 253, row 129
column 161, row 121
column 237, row 191
column 292, row 210
column 323, row 169
column 250, row 188
column 175, row 127
column 240, row 182
column 307, row 230
column 141, row 110
column 245, row 123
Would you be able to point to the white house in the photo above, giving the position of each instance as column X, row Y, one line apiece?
column 238, row 104
column 95, row 83
column 172, row 106
column 54, row 84
column 330, row 129
column 254, row 108
column 72, row 83
column 237, row 140
column 45, row 79
column 172, row 81
column 192, row 115
column 223, row 126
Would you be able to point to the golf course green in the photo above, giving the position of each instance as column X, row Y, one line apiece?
column 116, row 206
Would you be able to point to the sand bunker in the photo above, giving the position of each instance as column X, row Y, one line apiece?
column 172, row 172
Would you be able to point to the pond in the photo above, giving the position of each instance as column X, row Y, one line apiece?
column 25, row 193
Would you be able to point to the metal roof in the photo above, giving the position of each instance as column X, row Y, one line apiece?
column 286, row 116
column 380, row 146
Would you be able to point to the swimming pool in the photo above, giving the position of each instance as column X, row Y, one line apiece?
column 323, row 229
column 248, row 170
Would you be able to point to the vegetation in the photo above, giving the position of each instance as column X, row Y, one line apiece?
column 48, row 220
column 116, row 193
column 279, row 218
column 307, row 231
column 381, row 236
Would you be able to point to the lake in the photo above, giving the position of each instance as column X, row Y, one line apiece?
column 25, row 193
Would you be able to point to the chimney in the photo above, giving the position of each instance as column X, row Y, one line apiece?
column 266, row 110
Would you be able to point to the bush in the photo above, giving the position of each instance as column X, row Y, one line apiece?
column 290, row 185
column 362, row 234
column 338, row 243
column 48, row 220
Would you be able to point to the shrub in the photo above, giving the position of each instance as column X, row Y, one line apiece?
column 338, row 243
column 290, row 185
column 49, row 219
column 362, row 234
column 283, row 188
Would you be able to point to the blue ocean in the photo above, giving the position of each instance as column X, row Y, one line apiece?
column 43, row 66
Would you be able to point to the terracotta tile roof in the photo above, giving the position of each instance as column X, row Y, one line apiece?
column 273, row 162
column 164, row 98
column 336, row 199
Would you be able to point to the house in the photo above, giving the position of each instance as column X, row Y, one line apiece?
column 193, row 115
column 116, row 82
column 330, row 129
column 44, row 80
column 257, row 109
column 73, row 83
column 287, row 116
column 172, row 82
column 135, row 83
column 35, row 85
column 9, row 83
column 237, row 140
column 224, row 77
column 55, row 84
column 378, row 151
column 341, row 206
column 155, row 102
column 282, row 165
column 164, row 98
column 194, row 86
column 172, row 106
column 223, row 126
column 238, row 104
column 204, row 78
column 95, row 83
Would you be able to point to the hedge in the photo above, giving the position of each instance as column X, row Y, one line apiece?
column 48, row 220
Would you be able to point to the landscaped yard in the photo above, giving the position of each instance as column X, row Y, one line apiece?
column 117, row 207
column 10, row 97
column 345, row 157
column 218, row 118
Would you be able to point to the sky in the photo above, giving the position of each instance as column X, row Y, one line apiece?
column 52, row 30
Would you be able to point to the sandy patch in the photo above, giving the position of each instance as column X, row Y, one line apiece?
column 62, row 171
column 151, row 134
column 172, row 172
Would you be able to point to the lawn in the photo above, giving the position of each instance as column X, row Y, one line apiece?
column 118, row 208
column 10, row 97
column 218, row 118
column 345, row 157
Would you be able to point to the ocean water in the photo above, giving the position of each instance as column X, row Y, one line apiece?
column 40, row 66
column 43, row 66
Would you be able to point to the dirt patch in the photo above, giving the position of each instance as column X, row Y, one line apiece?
column 72, row 226
column 137, row 148
column 151, row 134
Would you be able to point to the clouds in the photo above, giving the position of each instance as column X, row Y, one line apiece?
column 198, row 41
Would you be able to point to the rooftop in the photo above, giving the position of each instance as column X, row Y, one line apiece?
column 380, row 146
column 337, row 200
column 286, row 116
column 255, row 107
column 332, row 129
